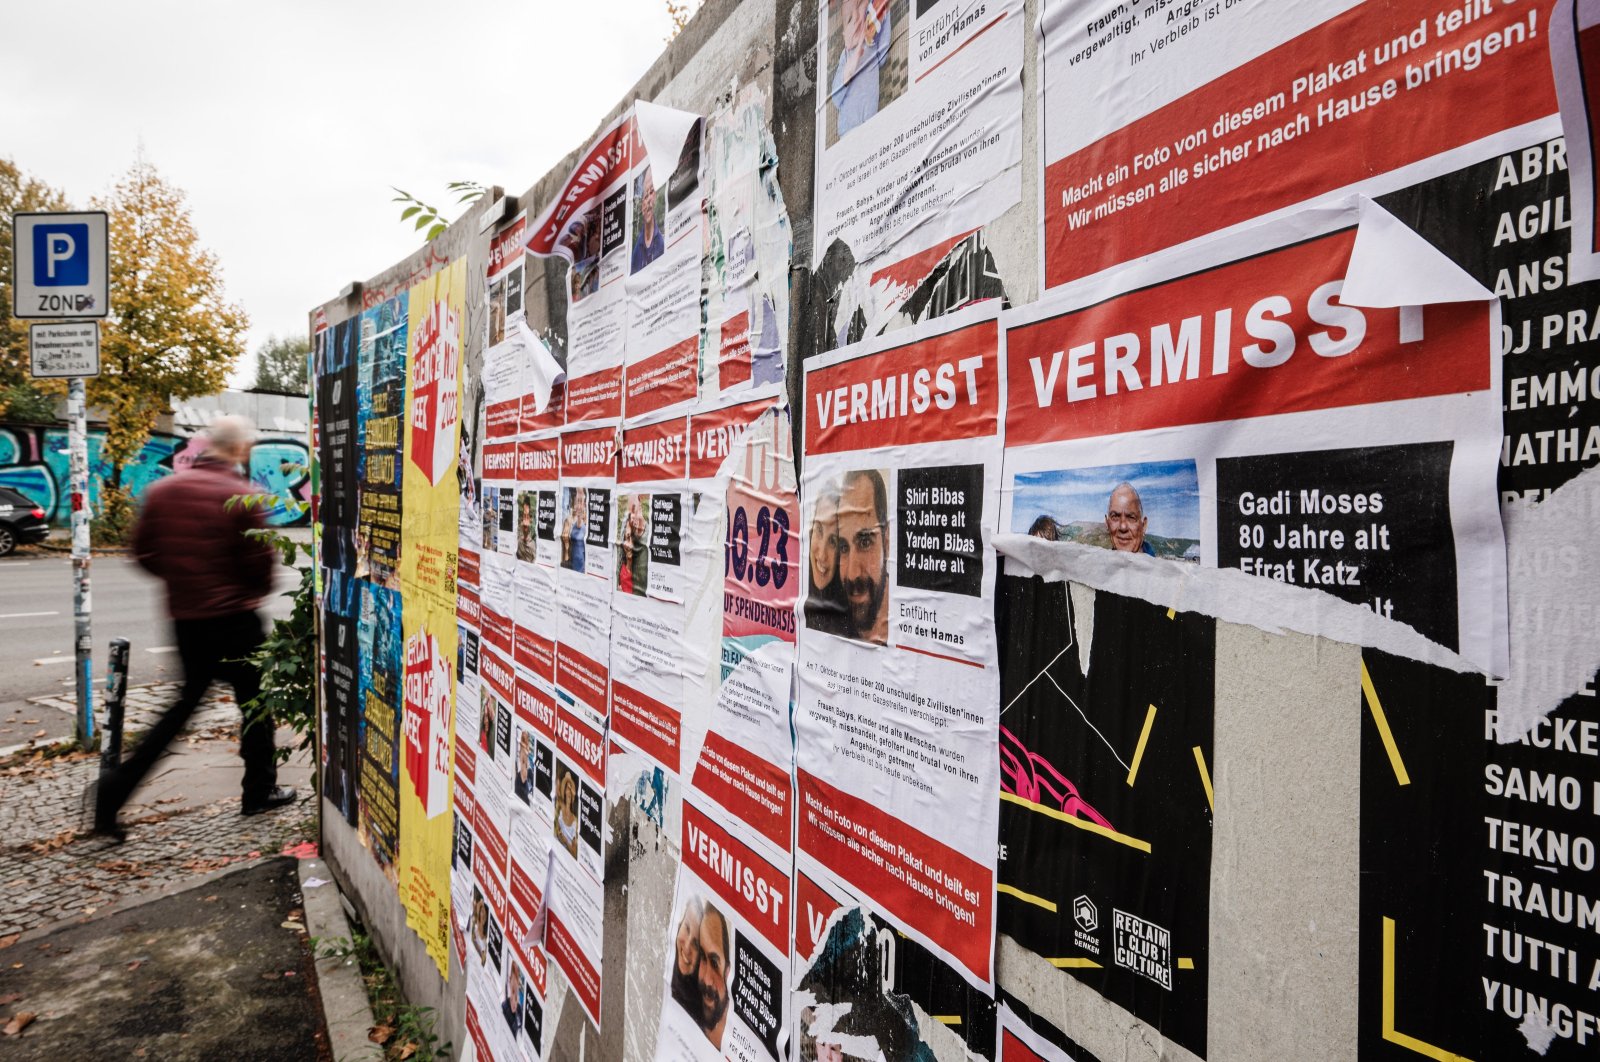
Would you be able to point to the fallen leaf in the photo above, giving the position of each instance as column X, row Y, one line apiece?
column 288, row 973
column 42, row 733
column 30, row 722
column 406, row 1052
column 135, row 964
column 6, row 942
column 208, row 899
column 9, row 998
column 19, row 1021
column 271, row 975
column 380, row 1034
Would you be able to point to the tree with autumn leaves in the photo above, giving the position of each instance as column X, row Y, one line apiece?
column 171, row 334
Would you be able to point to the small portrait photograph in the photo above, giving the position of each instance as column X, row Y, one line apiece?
column 849, row 535
column 867, row 61
column 486, row 721
column 633, row 543
column 702, row 952
column 516, row 989
column 527, row 525
column 522, row 781
column 1151, row 508
column 566, row 823
column 582, row 240
column 480, row 922
column 649, row 214
column 497, row 311
column 574, row 527
column 491, row 517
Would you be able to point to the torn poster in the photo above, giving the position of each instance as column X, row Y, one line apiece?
column 1205, row 117
column 1575, row 62
column 1105, row 807
column 588, row 225
column 1025, row 1037
column 1223, row 406
column 919, row 122
column 897, row 718
column 663, row 286
column 748, row 248
column 1480, row 897
column 866, row 990
column 577, row 888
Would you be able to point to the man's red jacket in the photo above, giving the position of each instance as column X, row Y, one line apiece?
column 189, row 537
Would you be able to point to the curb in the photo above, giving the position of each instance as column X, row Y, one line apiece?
column 344, row 997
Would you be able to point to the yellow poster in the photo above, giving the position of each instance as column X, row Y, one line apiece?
column 428, row 600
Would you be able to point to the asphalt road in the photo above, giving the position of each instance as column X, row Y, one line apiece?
column 36, row 627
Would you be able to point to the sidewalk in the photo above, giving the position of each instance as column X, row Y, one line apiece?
column 183, row 823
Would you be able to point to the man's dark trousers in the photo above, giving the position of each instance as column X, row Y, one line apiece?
column 210, row 649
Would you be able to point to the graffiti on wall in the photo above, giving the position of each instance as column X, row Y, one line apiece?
column 33, row 459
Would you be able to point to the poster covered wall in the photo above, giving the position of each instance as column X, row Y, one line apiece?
column 380, row 410
column 429, row 550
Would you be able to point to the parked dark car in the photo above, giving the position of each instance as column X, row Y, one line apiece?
column 21, row 521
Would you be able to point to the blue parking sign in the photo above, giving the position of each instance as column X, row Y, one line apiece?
column 61, row 255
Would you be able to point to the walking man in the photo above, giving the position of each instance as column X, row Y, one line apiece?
column 216, row 576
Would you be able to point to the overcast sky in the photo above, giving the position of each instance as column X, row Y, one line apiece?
column 286, row 121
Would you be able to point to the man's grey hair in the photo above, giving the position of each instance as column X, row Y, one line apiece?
column 231, row 432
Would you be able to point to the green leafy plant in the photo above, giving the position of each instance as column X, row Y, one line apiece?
column 402, row 1030
column 287, row 657
column 427, row 219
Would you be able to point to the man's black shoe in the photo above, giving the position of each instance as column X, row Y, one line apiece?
column 276, row 797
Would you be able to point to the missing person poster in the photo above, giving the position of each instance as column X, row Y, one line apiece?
column 499, row 497
column 663, row 286
column 919, row 121
column 577, row 890
column 1226, row 407
column 587, row 569
column 380, row 410
column 1480, row 897
column 899, row 682
column 726, row 990
column 519, row 369
column 652, row 662
column 588, row 226
column 535, row 613
column 1208, row 115
column 429, row 527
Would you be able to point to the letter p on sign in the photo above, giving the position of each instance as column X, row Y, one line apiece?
column 61, row 255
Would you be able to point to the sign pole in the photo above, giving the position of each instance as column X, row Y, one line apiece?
column 83, row 664
column 60, row 275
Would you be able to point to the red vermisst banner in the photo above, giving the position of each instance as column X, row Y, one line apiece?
column 497, row 674
column 654, row 452
column 589, row 453
column 923, row 883
column 500, row 460
column 756, row 890
column 580, row 744
column 1338, row 104
column 931, row 390
column 535, row 708
column 1256, row 337
column 538, row 460
column 712, row 435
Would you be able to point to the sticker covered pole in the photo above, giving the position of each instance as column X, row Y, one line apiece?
column 78, row 456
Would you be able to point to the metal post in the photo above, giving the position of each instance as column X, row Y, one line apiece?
column 116, row 690
column 83, row 651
